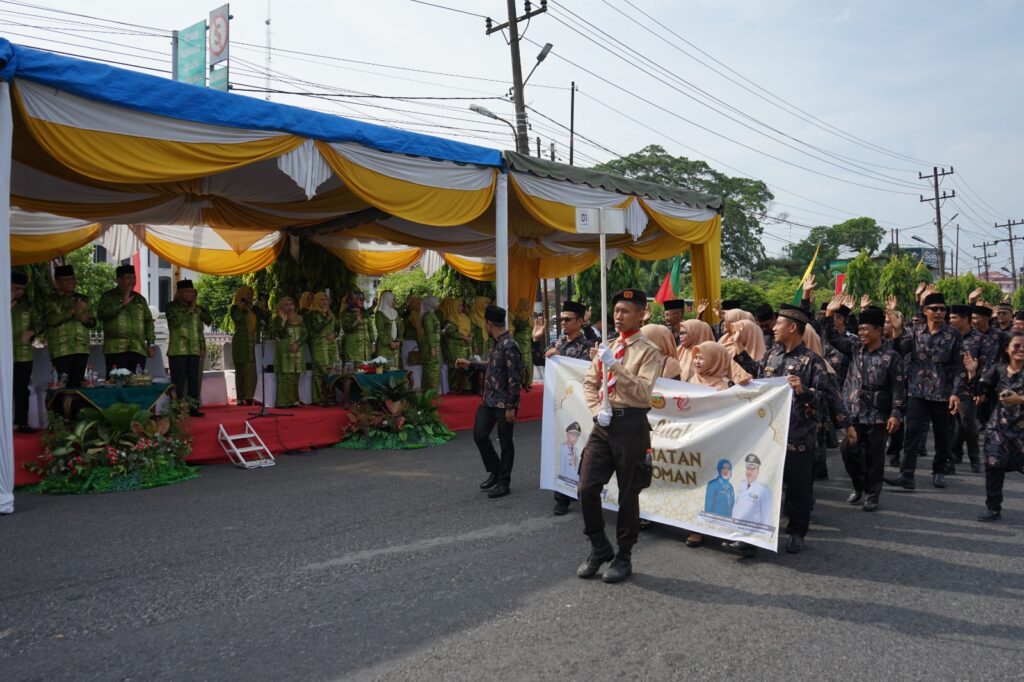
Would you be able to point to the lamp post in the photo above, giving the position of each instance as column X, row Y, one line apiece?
column 484, row 111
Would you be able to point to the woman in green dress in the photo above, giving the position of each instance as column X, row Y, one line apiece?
column 456, row 340
column 522, row 332
column 388, row 329
column 430, row 351
column 358, row 328
column 481, row 343
column 247, row 317
column 289, row 363
column 322, row 329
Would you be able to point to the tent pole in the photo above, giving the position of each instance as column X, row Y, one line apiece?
column 604, row 311
column 6, row 341
column 501, row 240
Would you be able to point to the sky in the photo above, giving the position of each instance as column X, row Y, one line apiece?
column 837, row 106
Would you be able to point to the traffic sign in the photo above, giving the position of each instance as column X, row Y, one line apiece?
column 219, row 79
column 190, row 61
column 219, row 34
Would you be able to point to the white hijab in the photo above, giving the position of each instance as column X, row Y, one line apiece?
column 386, row 305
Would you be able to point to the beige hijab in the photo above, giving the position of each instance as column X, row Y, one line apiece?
column 697, row 332
column 735, row 315
column 717, row 365
column 813, row 341
column 749, row 336
column 661, row 337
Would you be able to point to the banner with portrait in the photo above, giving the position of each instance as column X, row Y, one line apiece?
column 718, row 455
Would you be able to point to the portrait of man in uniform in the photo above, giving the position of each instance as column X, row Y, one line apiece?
column 753, row 499
column 569, row 457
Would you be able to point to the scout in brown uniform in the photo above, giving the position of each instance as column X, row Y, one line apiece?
column 620, row 438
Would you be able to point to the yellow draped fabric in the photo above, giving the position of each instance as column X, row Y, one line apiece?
column 27, row 249
column 437, row 206
column 214, row 261
column 471, row 267
column 368, row 262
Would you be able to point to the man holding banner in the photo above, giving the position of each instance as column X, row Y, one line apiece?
column 620, row 438
column 809, row 379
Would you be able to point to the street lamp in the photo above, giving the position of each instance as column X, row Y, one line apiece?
column 918, row 239
column 484, row 111
column 541, row 57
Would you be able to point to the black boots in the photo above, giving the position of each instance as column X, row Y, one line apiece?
column 601, row 552
column 621, row 566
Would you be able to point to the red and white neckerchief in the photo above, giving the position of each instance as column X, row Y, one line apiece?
column 620, row 352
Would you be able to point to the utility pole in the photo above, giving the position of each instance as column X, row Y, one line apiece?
column 572, row 122
column 977, row 261
column 984, row 250
column 936, row 174
column 538, row 148
column 1009, row 225
column 522, row 140
column 552, row 151
column 956, row 256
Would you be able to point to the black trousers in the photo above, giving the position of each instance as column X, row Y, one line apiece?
column 127, row 360
column 919, row 413
column 22, row 379
column 994, row 479
column 619, row 449
column 798, row 477
column 965, row 432
column 74, row 366
column 186, row 376
column 865, row 461
column 486, row 418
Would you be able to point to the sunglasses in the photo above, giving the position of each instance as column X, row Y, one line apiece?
column 936, row 308
column 567, row 319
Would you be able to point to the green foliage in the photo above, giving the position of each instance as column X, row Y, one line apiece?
column 749, row 295
column 449, row 282
column 957, row 289
column 922, row 273
column 623, row 272
column 897, row 279
column 745, row 199
column 405, row 284
column 861, row 234
column 93, row 278
column 217, row 293
column 392, row 416
column 778, row 288
column 316, row 270
column 862, row 276
column 1018, row 299
column 657, row 312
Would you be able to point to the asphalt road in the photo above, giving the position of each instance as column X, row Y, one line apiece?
column 387, row 565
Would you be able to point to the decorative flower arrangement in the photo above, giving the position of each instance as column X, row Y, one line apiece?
column 119, row 448
column 120, row 375
column 380, row 361
column 394, row 417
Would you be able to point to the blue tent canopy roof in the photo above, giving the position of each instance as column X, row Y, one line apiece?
column 164, row 97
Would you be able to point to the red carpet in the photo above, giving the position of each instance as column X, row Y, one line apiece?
column 306, row 428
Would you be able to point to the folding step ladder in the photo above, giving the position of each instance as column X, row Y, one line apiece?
column 246, row 449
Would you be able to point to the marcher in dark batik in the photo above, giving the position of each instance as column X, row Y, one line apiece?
column 935, row 377
column 992, row 344
column 965, row 424
column 809, row 380
column 875, row 396
column 1004, row 433
column 503, row 381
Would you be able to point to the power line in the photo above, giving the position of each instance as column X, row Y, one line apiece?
column 450, row 9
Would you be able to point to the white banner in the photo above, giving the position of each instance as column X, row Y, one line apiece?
column 718, row 455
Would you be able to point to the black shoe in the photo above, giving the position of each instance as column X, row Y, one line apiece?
column 976, row 467
column 740, row 548
column 990, row 515
column 901, row 481
column 855, row 497
column 618, row 570
column 561, row 508
column 500, row 490
column 489, row 482
column 590, row 567
column 938, row 480
column 26, row 429
column 795, row 545
column 871, row 504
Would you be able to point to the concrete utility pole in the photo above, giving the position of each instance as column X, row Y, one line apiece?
column 936, row 174
column 984, row 250
column 1009, row 225
column 522, row 140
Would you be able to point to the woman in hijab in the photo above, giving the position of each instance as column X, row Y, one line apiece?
column 692, row 333
column 412, row 332
column 481, row 344
column 430, row 348
column 305, row 301
column 711, row 367
column 720, row 496
column 456, row 340
column 289, row 362
column 522, row 332
column 661, row 337
column 746, row 335
column 247, row 318
column 735, row 315
column 322, row 330
column 358, row 329
column 387, row 325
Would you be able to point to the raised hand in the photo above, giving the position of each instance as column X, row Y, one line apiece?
column 890, row 304
column 865, row 301
column 702, row 305
column 834, row 305
column 920, row 289
column 809, row 284
column 973, row 297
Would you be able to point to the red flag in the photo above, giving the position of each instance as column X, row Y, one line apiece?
column 665, row 292
column 137, row 263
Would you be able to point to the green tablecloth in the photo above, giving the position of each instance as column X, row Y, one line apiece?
column 364, row 380
column 104, row 396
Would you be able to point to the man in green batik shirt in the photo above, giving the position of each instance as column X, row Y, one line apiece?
column 25, row 324
column 128, row 333
column 68, row 322
column 322, row 333
column 359, row 329
column 186, row 350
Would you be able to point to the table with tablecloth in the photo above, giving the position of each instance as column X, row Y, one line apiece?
column 102, row 397
column 353, row 384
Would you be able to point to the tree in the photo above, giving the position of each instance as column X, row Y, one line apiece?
column 860, row 234
column 746, row 200
column 897, row 279
column 217, row 294
column 624, row 272
column 957, row 289
column 406, row 283
column 862, row 275
column 1018, row 299
column 449, row 282
column 316, row 270
column 749, row 295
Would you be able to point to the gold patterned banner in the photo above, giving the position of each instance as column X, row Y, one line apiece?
column 718, row 455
